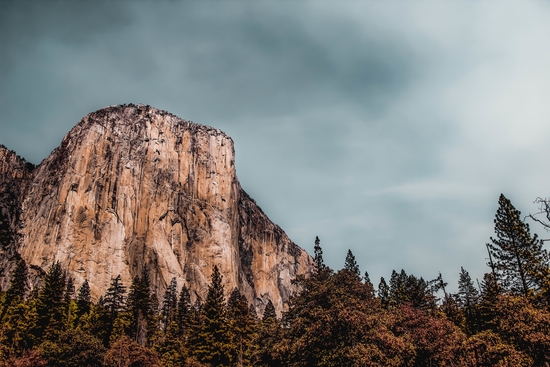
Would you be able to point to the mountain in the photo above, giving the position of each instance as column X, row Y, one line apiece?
column 132, row 186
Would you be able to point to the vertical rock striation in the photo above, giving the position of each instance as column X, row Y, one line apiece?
column 132, row 187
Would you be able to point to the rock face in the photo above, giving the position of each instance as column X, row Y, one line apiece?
column 15, row 173
column 132, row 187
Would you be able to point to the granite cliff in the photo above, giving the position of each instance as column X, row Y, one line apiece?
column 132, row 187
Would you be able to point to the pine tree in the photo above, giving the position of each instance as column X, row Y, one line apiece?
column 490, row 292
column 114, row 299
column 18, row 285
column 419, row 293
column 269, row 312
column 83, row 299
column 519, row 258
column 268, row 338
column 169, row 304
column 468, row 298
column 184, row 312
column 140, row 308
column 70, row 307
column 398, row 291
column 241, row 329
column 49, row 304
column 318, row 254
column 211, row 339
column 384, row 293
column 69, row 289
column 351, row 264
column 322, row 271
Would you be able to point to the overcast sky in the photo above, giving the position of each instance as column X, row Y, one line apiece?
column 386, row 127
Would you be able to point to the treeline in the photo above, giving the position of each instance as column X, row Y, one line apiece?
column 338, row 319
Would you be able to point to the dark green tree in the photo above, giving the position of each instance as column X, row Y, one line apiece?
column 114, row 299
column 18, row 286
column 49, row 304
column 351, row 265
column 211, row 338
column 420, row 293
column 69, row 289
column 184, row 312
column 110, row 307
column 384, row 293
column 268, row 338
column 490, row 292
column 169, row 305
column 398, row 291
column 368, row 283
column 518, row 257
column 318, row 254
column 141, row 308
column 241, row 329
column 269, row 311
column 83, row 299
column 468, row 300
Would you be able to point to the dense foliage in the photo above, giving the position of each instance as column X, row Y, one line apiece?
column 338, row 319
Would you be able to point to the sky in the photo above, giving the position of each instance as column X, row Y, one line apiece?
column 386, row 127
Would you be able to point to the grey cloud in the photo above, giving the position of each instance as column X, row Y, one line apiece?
column 381, row 128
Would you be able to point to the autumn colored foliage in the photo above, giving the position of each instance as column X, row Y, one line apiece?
column 338, row 318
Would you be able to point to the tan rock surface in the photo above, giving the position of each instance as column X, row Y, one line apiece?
column 133, row 186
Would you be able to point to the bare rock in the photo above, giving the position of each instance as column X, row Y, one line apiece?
column 132, row 187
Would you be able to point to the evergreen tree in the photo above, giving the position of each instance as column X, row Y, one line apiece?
column 114, row 299
column 468, row 298
column 70, row 310
column 83, row 298
column 318, row 254
column 368, row 283
column 211, row 339
column 269, row 311
column 169, row 304
column 351, row 264
column 141, row 308
column 398, row 291
column 241, row 329
column 184, row 312
column 420, row 293
column 268, row 338
column 18, row 284
column 384, row 293
column 519, row 259
column 490, row 292
column 69, row 289
column 49, row 304
column 110, row 308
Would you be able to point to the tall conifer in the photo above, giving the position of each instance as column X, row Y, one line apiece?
column 212, row 337
column 468, row 297
column 17, row 289
column 318, row 254
column 384, row 293
column 83, row 298
column 518, row 257
column 351, row 265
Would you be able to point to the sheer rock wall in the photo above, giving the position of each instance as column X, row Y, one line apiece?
column 133, row 186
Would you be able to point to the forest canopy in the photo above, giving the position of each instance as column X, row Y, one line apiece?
column 338, row 318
